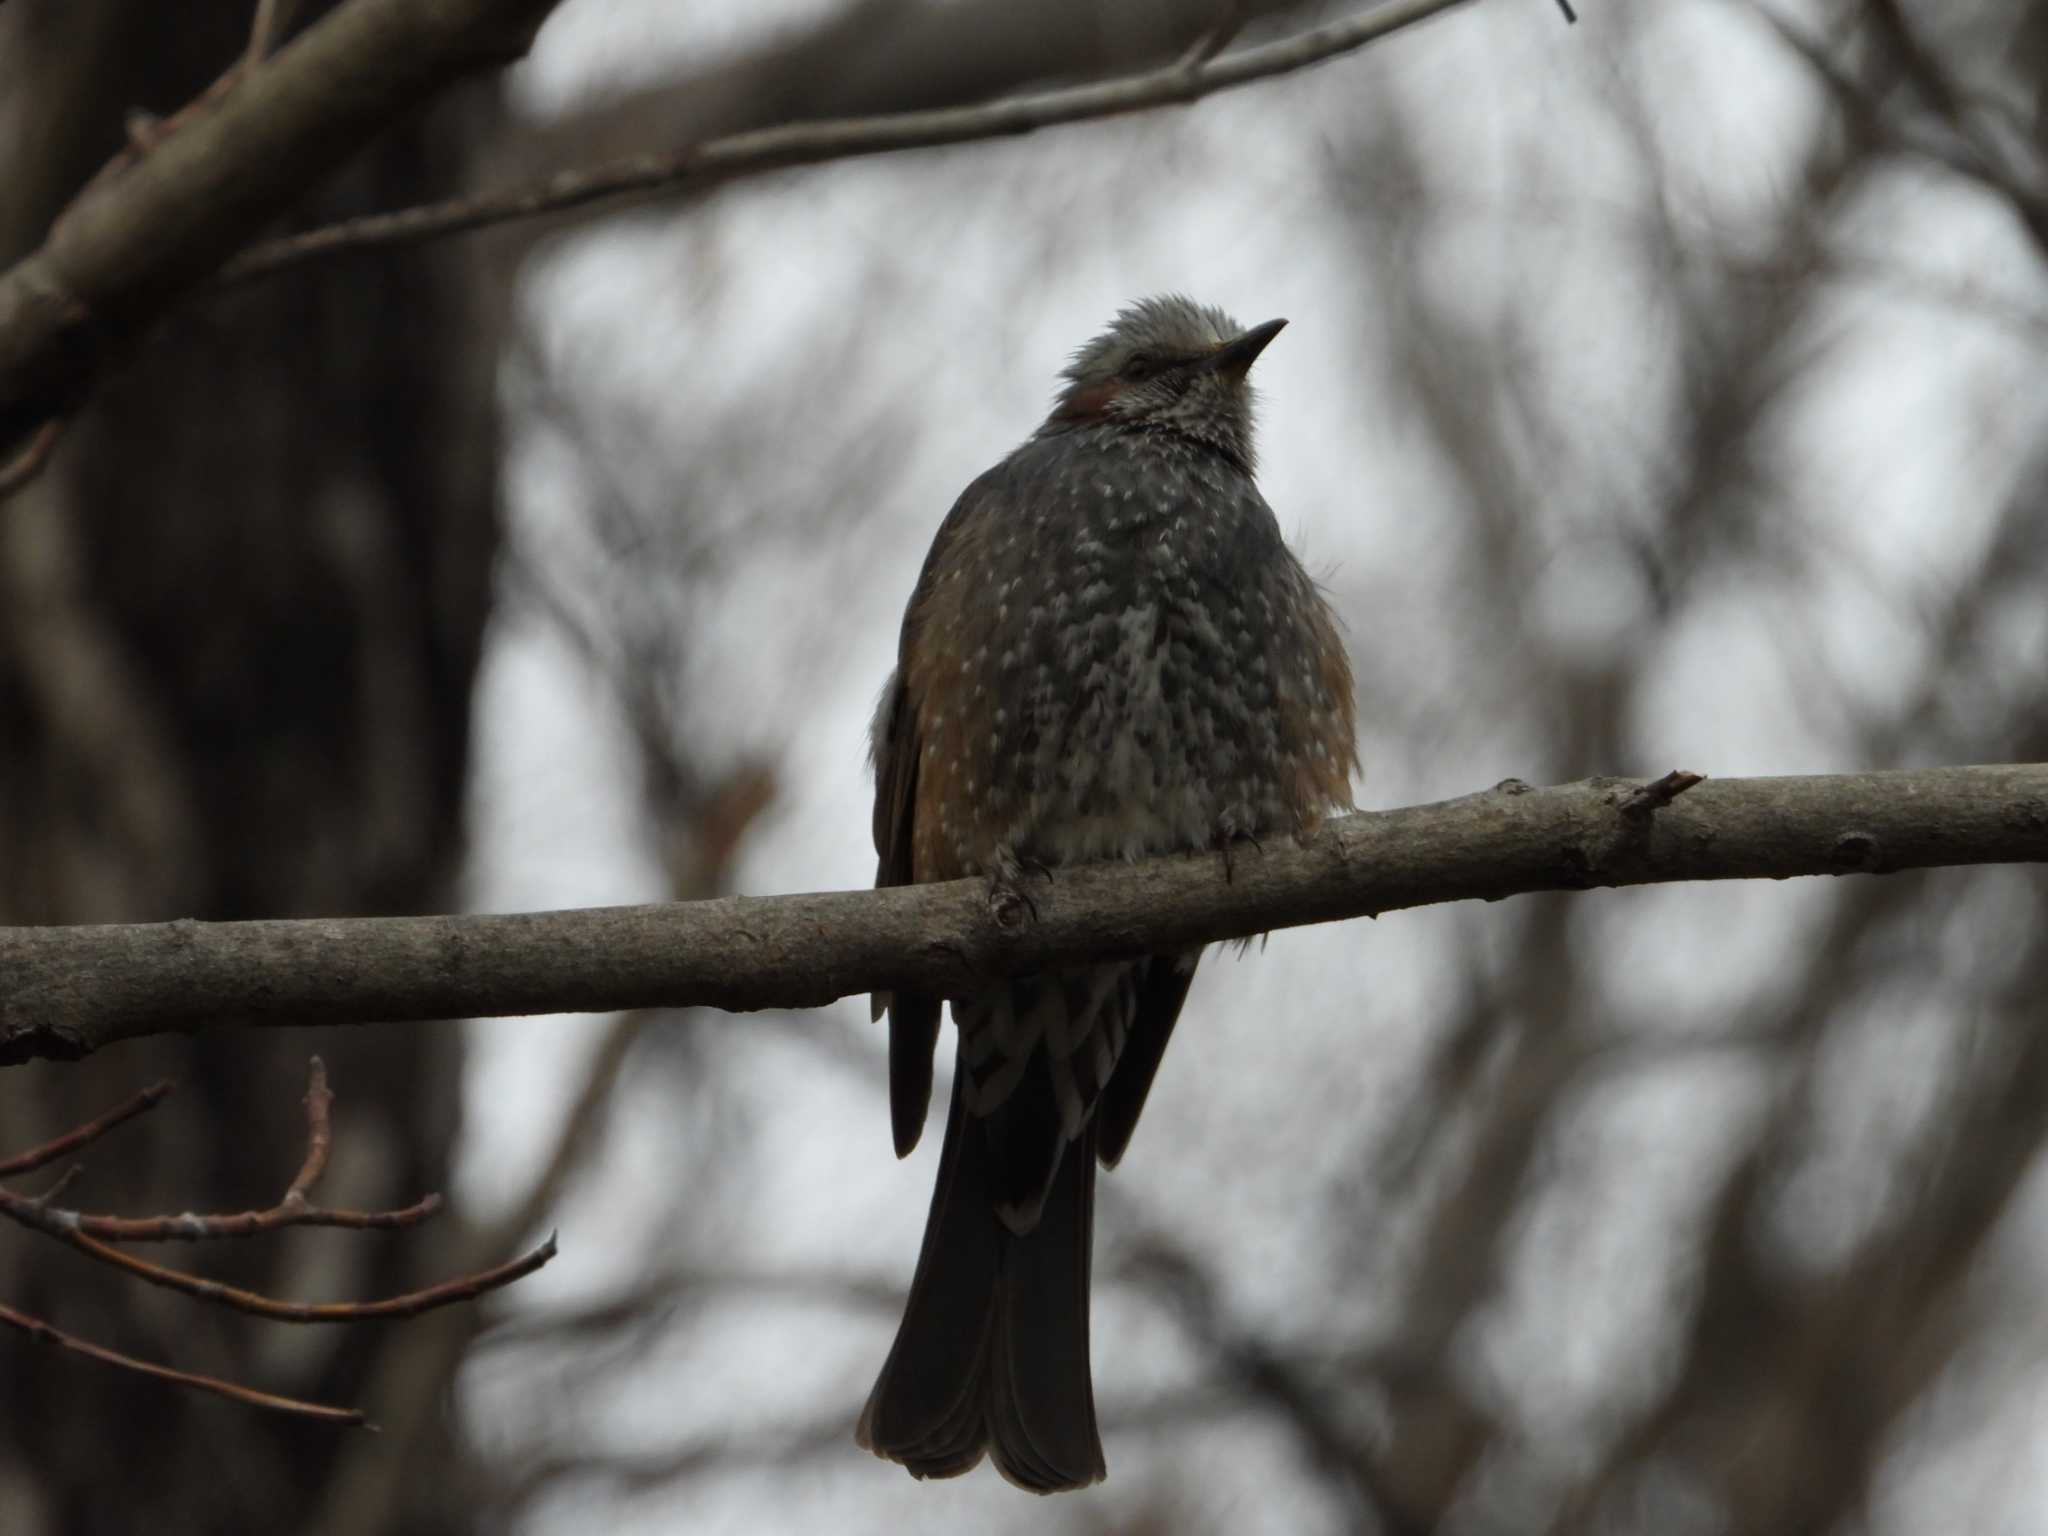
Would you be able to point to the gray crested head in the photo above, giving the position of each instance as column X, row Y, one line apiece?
column 1170, row 363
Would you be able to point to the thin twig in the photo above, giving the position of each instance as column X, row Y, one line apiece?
column 1212, row 42
column 271, row 20
column 809, row 143
column 27, row 464
column 50, row 1151
column 42, row 1333
column 410, row 1304
column 191, row 1228
column 1658, row 793
column 94, row 1235
column 64, row 1182
column 70, row 1228
column 293, row 1210
column 319, row 1135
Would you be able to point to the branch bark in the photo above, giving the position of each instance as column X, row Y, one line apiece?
column 66, row 992
column 143, row 234
column 871, row 56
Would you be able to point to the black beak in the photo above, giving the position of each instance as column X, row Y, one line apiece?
column 1234, row 359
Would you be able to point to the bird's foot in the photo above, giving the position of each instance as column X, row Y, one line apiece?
column 1230, row 833
column 1008, row 901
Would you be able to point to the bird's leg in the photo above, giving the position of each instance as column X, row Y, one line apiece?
column 1007, row 898
column 1229, row 833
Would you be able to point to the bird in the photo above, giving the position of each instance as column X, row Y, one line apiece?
column 1110, row 652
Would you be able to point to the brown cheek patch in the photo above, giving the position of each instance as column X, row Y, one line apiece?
column 1089, row 404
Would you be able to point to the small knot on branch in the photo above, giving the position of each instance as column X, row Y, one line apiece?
column 1648, row 798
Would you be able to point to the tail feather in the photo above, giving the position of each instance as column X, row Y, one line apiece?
column 925, row 1409
column 1162, row 986
column 993, row 1351
column 1041, row 1399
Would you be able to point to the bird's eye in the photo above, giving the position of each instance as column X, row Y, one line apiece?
column 1141, row 365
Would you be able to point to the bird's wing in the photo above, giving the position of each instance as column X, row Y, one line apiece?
column 1162, row 988
column 913, row 1016
column 897, row 745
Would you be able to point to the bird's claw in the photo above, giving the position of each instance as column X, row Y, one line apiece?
column 1227, row 839
column 1008, row 901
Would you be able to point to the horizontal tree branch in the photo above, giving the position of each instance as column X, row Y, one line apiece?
column 65, row 992
column 709, row 162
column 862, row 57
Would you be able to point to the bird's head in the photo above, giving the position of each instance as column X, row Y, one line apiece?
column 1168, row 363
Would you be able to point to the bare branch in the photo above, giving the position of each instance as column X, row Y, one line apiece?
column 171, row 209
column 1217, row 38
column 198, row 1229
column 868, row 56
column 43, row 1333
column 93, row 1235
column 319, row 1135
column 63, row 1226
column 65, row 992
column 35, row 454
column 135, row 240
column 76, row 1230
column 719, row 160
column 273, row 20
column 293, row 1210
column 92, row 1130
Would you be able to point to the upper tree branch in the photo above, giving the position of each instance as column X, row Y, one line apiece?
column 711, row 161
column 67, row 991
column 158, row 224
column 143, row 234
column 862, row 57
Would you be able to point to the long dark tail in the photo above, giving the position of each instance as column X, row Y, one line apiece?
column 993, row 1351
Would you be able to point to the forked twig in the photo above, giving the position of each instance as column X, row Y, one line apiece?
column 95, row 1236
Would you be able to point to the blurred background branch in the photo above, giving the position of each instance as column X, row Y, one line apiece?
column 708, row 162
column 164, row 213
